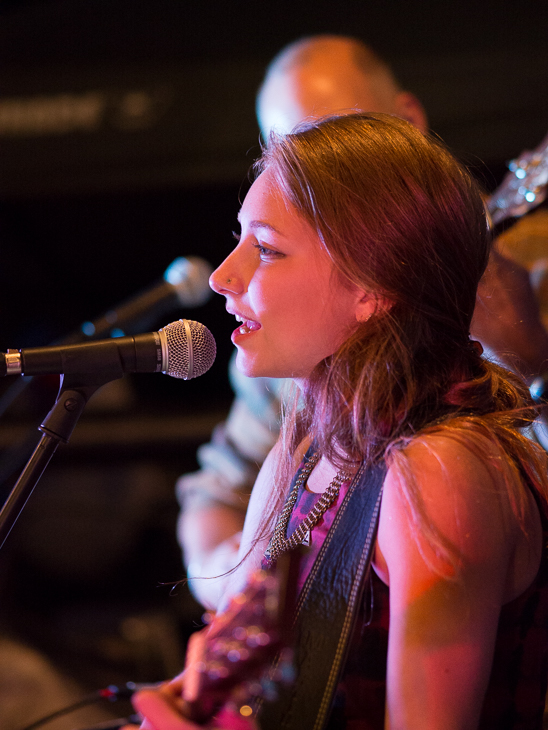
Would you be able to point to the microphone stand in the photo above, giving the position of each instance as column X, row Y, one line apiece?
column 74, row 392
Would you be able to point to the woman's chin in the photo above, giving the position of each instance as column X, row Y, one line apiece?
column 247, row 366
column 252, row 366
column 254, row 369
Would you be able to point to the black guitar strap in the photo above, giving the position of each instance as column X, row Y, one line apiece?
column 328, row 607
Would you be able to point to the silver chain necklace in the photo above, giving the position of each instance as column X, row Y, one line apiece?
column 279, row 543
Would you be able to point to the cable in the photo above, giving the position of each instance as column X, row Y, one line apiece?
column 110, row 693
column 116, row 724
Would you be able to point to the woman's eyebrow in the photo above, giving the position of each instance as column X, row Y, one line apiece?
column 256, row 224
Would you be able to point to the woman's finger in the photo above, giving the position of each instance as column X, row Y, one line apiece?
column 160, row 712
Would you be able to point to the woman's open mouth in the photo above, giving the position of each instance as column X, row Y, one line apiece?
column 247, row 326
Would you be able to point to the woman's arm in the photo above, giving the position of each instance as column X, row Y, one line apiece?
column 443, row 617
column 163, row 708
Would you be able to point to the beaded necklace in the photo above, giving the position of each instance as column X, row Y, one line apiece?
column 279, row 543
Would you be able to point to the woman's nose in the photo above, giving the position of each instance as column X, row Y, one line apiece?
column 221, row 281
column 236, row 271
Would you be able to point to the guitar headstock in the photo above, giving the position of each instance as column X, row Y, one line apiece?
column 229, row 659
column 523, row 188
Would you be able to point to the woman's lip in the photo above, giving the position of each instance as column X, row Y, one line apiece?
column 239, row 315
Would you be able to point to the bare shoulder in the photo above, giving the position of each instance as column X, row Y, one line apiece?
column 446, row 470
column 451, row 498
column 261, row 497
column 450, row 467
column 448, row 461
column 264, row 498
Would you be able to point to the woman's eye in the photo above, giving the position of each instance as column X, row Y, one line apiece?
column 267, row 253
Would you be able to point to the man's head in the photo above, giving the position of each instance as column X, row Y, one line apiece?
column 329, row 74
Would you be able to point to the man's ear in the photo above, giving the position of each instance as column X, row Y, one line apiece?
column 408, row 107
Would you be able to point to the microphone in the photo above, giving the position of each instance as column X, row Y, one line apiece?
column 183, row 349
column 185, row 283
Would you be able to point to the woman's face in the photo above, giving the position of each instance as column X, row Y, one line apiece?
column 282, row 287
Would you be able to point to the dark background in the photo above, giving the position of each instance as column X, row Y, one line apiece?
column 93, row 210
column 126, row 132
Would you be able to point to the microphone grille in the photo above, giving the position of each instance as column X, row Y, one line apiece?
column 190, row 347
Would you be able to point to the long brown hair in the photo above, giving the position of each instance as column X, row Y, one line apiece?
column 401, row 218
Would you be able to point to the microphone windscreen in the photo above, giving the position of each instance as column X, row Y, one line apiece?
column 191, row 349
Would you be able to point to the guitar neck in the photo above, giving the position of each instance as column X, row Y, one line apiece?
column 229, row 660
column 524, row 186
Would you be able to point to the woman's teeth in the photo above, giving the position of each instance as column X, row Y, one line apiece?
column 248, row 325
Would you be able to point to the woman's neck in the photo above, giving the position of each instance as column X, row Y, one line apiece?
column 321, row 477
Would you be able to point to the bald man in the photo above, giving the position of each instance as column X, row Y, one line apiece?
column 330, row 74
column 306, row 80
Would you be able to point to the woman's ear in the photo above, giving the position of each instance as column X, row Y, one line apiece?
column 365, row 307
column 368, row 304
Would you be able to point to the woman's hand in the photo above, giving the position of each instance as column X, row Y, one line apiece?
column 163, row 709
